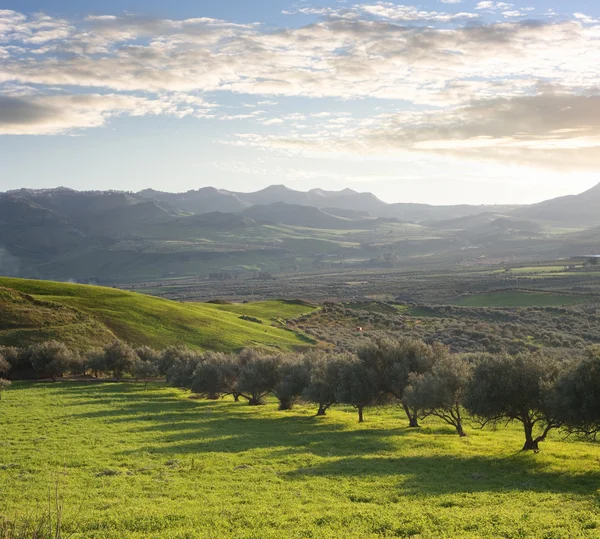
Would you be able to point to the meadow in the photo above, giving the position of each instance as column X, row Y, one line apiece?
column 85, row 316
column 134, row 462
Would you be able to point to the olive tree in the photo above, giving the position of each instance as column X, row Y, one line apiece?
column 50, row 358
column 393, row 361
column 258, row 377
column 324, row 377
column 577, row 404
column 5, row 366
column 294, row 377
column 182, row 364
column 441, row 392
column 216, row 376
column 95, row 361
column 518, row 388
column 357, row 385
column 119, row 358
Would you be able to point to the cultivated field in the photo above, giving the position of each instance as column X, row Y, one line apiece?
column 129, row 462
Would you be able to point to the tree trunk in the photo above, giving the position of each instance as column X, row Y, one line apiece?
column 360, row 414
column 255, row 401
column 285, row 404
column 413, row 422
column 460, row 430
column 530, row 444
column 236, row 397
column 322, row 410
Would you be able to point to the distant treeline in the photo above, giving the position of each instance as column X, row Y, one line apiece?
column 537, row 389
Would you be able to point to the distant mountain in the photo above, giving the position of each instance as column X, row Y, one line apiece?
column 295, row 215
column 112, row 236
column 204, row 200
column 572, row 210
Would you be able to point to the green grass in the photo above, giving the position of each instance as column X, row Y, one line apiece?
column 134, row 463
column 141, row 319
column 519, row 299
column 272, row 311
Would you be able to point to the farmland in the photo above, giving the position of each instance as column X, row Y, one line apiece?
column 130, row 462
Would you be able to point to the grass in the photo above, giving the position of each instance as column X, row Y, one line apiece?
column 134, row 463
column 519, row 299
column 138, row 319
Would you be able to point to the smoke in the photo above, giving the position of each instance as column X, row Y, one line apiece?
column 9, row 264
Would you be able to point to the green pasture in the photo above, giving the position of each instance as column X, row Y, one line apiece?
column 140, row 319
column 119, row 461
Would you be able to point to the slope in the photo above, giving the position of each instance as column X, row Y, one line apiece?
column 136, row 318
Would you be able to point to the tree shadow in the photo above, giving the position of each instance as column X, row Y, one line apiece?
column 442, row 474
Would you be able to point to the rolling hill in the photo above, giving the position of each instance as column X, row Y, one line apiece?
column 86, row 316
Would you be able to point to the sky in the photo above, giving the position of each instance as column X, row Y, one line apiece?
column 439, row 101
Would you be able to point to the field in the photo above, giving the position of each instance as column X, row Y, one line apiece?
column 84, row 316
column 130, row 462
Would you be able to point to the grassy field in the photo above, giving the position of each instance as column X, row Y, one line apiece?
column 136, row 463
column 519, row 299
column 91, row 315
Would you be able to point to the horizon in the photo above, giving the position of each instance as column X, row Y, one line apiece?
column 63, row 187
column 440, row 102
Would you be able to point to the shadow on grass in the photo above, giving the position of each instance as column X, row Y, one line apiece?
column 443, row 474
column 185, row 426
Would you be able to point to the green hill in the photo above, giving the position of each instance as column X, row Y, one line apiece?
column 85, row 316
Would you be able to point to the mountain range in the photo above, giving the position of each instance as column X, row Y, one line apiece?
column 111, row 236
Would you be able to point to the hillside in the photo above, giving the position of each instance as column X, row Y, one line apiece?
column 572, row 210
column 85, row 316
column 295, row 215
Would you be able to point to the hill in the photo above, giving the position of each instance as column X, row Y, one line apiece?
column 572, row 210
column 296, row 215
column 85, row 316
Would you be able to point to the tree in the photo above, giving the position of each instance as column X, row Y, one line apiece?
column 5, row 366
column 216, row 376
column 258, row 377
column 183, row 363
column 148, row 355
column 294, row 377
column 324, row 377
column 50, row 358
column 95, row 361
column 119, row 358
column 357, row 385
column 441, row 392
column 577, row 403
column 144, row 370
column 516, row 388
column 394, row 360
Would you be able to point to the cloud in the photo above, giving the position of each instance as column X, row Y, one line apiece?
column 50, row 115
column 550, row 129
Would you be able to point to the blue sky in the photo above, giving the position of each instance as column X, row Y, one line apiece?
column 440, row 101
